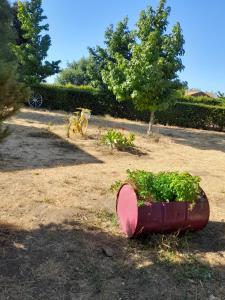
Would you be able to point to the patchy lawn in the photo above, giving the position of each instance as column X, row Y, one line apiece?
column 59, row 238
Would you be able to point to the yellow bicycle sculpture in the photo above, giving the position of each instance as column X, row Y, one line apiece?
column 79, row 122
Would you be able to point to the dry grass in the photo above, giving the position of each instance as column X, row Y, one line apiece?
column 59, row 238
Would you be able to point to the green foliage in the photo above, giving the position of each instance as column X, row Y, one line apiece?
column 117, row 40
column 31, row 50
column 143, row 182
column 193, row 115
column 202, row 100
column 12, row 92
column 172, row 186
column 148, row 73
column 164, row 186
column 116, row 186
column 181, row 114
column 76, row 73
column 116, row 139
column 68, row 97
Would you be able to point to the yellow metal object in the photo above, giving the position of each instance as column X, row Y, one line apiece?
column 79, row 122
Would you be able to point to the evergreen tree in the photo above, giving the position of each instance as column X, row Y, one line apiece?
column 12, row 92
column 31, row 50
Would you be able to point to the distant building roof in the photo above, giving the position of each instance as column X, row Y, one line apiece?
column 197, row 93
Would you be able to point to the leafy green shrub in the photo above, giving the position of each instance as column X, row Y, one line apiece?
column 116, row 139
column 191, row 114
column 202, row 100
column 67, row 97
column 163, row 186
column 194, row 115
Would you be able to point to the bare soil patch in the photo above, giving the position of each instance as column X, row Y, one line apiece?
column 58, row 235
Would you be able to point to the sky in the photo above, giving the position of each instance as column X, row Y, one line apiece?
column 77, row 24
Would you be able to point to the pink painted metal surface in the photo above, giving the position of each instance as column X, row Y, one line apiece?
column 127, row 209
column 161, row 217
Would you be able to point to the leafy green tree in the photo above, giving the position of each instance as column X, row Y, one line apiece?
column 76, row 73
column 221, row 95
column 17, row 26
column 31, row 50
column 149, row 75
column 12, row 92
column 117, row 40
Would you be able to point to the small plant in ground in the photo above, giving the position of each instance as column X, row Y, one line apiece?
column 116, row 185
column 116, row 139
column 163, row 186
column 46, row 200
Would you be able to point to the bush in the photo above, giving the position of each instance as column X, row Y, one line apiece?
column 183, row 113
column 198, row 116
column 163, row 187
column 68, row 98
column 12, row 91
column 118, row 140
column 202, row 100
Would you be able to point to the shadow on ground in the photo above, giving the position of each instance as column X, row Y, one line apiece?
column 39, row 116
column 199, row 139
column 79, row 260
column 30, row 147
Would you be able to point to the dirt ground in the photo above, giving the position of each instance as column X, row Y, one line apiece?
column 59, row 238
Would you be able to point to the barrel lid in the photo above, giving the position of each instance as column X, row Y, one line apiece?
column 127, row 209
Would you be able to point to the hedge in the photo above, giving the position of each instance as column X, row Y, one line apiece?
column 69, row 98
column 184, row 114
column 203, row 100
column 198, row 116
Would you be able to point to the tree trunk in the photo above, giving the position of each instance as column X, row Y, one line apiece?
column 151, row 122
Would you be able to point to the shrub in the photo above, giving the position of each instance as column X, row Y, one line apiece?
column 69, row 97
column 163, row 187
column 193, row 115
column 183, row 113
column 12, row 91
column 202, row 100
column 118, row 140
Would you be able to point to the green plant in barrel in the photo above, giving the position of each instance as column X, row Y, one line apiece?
column 163, row 186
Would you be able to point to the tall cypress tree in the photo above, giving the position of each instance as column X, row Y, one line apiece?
column 32, row 47
column 12, row 92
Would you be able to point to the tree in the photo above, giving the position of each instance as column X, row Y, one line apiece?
column 31, row 50
column 12, row 92
column 17, row 26
column 75, row 73
column 221, row 95
column 149, row 75
column 117, row 40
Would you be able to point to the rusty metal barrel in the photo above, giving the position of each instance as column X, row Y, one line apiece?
column 159, row 217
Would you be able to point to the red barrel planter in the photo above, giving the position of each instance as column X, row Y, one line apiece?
column 160, row 217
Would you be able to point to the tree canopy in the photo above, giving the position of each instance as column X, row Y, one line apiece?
column 148, row 73
column 76, row 73
column 32, row 47
column 117, row 40
column 12, row 91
